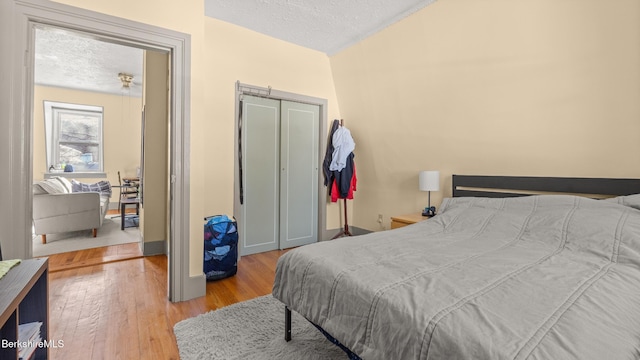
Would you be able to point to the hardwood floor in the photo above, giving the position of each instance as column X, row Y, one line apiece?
column 96, row 256
column 119, row 310
column 102, row 255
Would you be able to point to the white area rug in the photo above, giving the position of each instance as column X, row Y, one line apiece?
column 252, row 329
column 108, row 234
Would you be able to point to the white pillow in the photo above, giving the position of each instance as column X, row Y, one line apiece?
column 38, row 190
column 50, row 186
column 65, row 182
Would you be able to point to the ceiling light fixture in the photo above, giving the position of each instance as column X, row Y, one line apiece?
column 126, row 79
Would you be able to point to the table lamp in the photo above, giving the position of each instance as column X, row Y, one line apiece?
column 429, row 181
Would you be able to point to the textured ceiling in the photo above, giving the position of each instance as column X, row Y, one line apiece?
column 77, row 61
column 324, row 25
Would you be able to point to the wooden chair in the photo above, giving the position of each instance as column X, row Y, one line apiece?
column 127, row 190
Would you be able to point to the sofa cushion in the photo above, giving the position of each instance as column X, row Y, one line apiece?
column 49, row 186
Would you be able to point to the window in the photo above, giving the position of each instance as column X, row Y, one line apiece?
column 74, row 136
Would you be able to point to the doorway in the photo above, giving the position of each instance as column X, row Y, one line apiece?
column 20, row 19
column 279, row 199
column 91, row 121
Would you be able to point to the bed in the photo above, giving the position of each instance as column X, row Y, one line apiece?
column 495, row 275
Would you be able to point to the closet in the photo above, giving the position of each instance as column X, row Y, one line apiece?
column 279, row 163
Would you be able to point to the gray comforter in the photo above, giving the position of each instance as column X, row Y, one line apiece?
column 539, row 277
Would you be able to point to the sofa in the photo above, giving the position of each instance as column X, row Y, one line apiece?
column 61, row 206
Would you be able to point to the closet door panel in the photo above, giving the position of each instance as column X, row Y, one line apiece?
column 299, row 174
column 259, row 225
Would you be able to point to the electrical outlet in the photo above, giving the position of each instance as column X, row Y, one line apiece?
column 379, row 218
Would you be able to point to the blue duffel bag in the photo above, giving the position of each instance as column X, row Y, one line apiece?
column 220, row 247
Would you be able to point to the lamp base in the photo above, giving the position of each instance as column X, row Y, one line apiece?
column 429, row 211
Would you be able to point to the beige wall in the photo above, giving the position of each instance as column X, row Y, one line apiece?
column 493, row 87
column 234, row 53
column 221, row 55
column 539, row 87
column 156, row 149
column 121, row 130
column 186, row 16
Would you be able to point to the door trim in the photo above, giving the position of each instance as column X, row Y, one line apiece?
column 27, row 13
column 268, row 92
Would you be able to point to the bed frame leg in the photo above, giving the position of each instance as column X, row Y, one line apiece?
column 287, row 323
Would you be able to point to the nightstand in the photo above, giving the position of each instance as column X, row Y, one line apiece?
column 404, row 220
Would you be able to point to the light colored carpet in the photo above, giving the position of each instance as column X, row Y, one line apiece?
column 108, row 234
column 252, row 329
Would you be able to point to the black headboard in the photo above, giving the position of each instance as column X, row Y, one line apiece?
column 499, row 186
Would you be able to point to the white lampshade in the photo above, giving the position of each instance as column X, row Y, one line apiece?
column 429, row 180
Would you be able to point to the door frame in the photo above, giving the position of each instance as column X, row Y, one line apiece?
column 269, row 93
column 18, row 88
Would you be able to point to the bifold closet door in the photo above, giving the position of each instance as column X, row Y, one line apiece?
column 260, row 131
column 279, row 174
column 299, row 165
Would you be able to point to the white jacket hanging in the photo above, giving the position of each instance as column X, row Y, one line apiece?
column 343, row 145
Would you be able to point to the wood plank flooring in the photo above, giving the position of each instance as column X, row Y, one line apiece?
column 120, row 310
column 102, row 255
